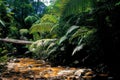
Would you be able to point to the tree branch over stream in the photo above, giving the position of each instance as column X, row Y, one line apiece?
column 15, row 41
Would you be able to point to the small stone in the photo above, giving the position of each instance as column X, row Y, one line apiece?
column 47, row 65
column 79, row 72
column 40, row 62
column 16, row 60
column 66, row 72
column 90, row 73
column 30, row 66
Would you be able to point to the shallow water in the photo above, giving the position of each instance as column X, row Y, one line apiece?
column 31, row 69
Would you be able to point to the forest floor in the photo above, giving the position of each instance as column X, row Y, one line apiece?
column 31, row 69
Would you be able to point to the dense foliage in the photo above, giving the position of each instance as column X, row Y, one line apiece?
column 68, row 32
column 87, row 33
column 16, row 18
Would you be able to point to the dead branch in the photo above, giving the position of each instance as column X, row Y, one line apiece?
column 15, row 41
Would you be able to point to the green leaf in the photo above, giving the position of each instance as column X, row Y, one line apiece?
column 41, row 27
column 62, row 39
column 79, row 33
column 40, row 47
column 117, row 4
column 78, row 48
column 2, row 23
column 72, row 28
column 23, row 31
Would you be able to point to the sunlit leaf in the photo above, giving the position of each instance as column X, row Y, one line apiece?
column 2, row 23
column 78, row 48
column 41, row 27
column 62, row 39
column 72, row 28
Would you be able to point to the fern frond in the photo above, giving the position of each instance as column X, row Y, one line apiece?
column 41, row 27
column 40, row 47
column 62, row 39
column 78, row 48
column 72, row 28
column 80, row 33
column 2, row 23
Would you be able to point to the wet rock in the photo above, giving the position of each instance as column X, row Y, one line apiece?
column 6, row 75
column 48, row 65
column 15, row 79
column 83, row 74
column 72, row 77
column 40, row 62
column 87, row 77
column 79, row 72
column 30, row 66
column 66, row 72
column 11, row 66
column 30, row 69
column 3, row 67
column 27, row 75
column 16, row 60
column 89, row 73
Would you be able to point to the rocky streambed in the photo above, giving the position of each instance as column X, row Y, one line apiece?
column 31, row 69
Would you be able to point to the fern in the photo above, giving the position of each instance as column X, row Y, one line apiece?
column 62, row 39
column 2, row 23
column 41, row 27
column 71, row 29
column 49, row 18
column 44, row 26
column 54, row 28
column 41, row 47
column 77, row 48
column 82, row 32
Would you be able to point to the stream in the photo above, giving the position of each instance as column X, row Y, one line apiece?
column 31, row 69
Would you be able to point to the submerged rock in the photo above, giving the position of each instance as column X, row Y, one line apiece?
column 30, row 69
column 65, row 72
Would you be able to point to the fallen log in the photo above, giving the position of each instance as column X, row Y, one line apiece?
column 15, row 41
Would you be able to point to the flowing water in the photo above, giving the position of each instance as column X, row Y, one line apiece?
column 31, row 69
